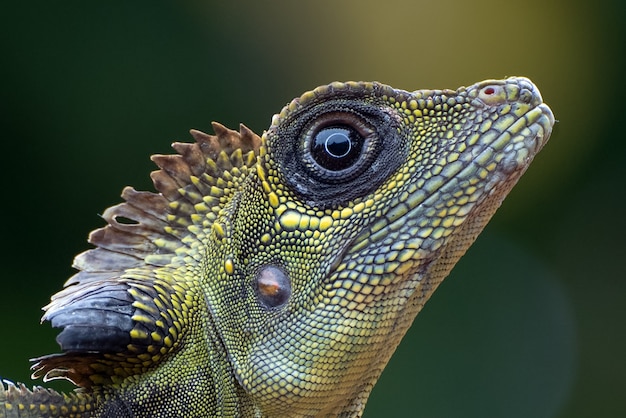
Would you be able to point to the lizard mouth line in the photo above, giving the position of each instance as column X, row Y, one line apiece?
column 507, row 166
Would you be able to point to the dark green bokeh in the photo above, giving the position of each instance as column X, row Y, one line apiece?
column 531, row 321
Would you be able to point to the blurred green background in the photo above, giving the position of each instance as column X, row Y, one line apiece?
column 530, row 323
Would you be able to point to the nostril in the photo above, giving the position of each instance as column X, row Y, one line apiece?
column 492, row 94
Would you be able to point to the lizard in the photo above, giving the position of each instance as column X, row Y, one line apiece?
column 275, row 275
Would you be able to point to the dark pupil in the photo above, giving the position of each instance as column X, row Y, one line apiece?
column 337, row 143
column 336, row 148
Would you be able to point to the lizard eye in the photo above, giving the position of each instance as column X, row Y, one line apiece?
column 331, row 151
column 338, row 146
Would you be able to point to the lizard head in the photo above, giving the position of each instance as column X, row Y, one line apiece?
column 277, row 275
column 363, row 199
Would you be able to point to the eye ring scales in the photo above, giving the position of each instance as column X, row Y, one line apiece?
column 338, row 150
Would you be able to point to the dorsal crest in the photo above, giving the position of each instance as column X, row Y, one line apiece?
column 111, row 310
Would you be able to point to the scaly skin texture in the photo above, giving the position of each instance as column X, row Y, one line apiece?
column 275, row 276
